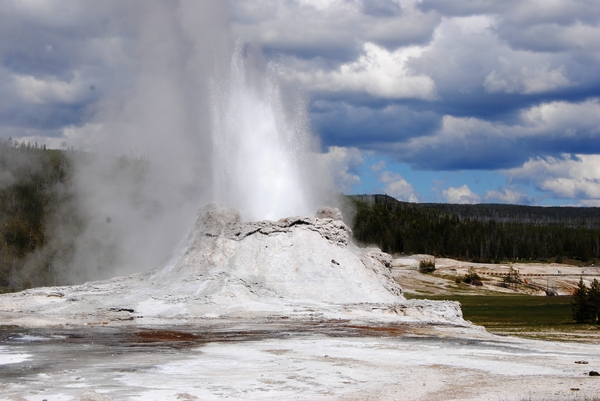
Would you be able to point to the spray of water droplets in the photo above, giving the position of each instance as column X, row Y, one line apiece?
column 259, row 156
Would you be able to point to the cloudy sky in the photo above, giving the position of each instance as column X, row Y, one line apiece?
column 464, row 101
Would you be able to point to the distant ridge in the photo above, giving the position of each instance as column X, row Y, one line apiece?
column 568, row 216
column 481, row 232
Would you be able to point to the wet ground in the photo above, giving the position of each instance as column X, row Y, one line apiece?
column 308, row 360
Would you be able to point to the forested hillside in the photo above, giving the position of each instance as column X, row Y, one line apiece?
column 34, row 183
column 48, row 235
column 485, row 232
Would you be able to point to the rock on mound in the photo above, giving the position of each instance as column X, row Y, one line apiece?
column 294, row 268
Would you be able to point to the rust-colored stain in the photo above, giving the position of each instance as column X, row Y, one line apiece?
column 391, row 331
column 183, row 338
column 156, row 336
column 212, row 334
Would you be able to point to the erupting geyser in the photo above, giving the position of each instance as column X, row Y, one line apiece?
column 234, row 267
column 259, row 151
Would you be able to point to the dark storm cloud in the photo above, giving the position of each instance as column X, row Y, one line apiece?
column 475, row 154
column 35, row 42
column 464, row 8
column 329, row 30
column 42, row 117
column 548, row 130
column 37, row 58
column 486, row 153
column 345, row 124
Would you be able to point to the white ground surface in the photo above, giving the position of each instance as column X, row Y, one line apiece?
column 269, row 311
column 562, row 278
column 422, row 363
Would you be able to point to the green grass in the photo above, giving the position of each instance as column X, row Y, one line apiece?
column 517, row 313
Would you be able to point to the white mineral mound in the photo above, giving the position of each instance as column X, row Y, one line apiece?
column 295, row 268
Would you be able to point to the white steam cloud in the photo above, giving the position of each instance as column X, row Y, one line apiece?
column 200, row 128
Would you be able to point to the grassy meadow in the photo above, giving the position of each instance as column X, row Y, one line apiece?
column 523, row 316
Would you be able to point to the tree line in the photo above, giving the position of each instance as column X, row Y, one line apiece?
column 479, row 233
column 45, row 225
column 586, row 302
column 34, row 183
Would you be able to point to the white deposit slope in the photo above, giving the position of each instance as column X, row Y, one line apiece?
column 298, row 268
column 286, row 310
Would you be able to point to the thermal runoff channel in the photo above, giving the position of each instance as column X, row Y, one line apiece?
column 260, row 152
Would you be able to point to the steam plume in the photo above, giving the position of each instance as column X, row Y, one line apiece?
column 260, row 153
column 204, row 129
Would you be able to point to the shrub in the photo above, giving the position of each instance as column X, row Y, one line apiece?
column 472, row 278
column 511, row 280
column 427, row 266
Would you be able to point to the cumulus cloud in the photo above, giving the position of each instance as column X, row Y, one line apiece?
column 467, row 54
column 530, row 25
column 557, row 26
column 51, row 90
column 568, row 176
column 506, row 195
column 459, row 56
column 560, row 118
column 460, row 143
column 398, row 187
column 378, row 72
column 461, row 195
column 342, row 165
column 377, row 167
column 527, row 81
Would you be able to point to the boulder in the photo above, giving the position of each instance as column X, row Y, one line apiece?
column 327, row 212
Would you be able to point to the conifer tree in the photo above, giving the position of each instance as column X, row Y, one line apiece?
column 580, row 303
column 594, row 301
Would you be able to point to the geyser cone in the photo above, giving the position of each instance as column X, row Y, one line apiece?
column 299, row 268
column 296, row 259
